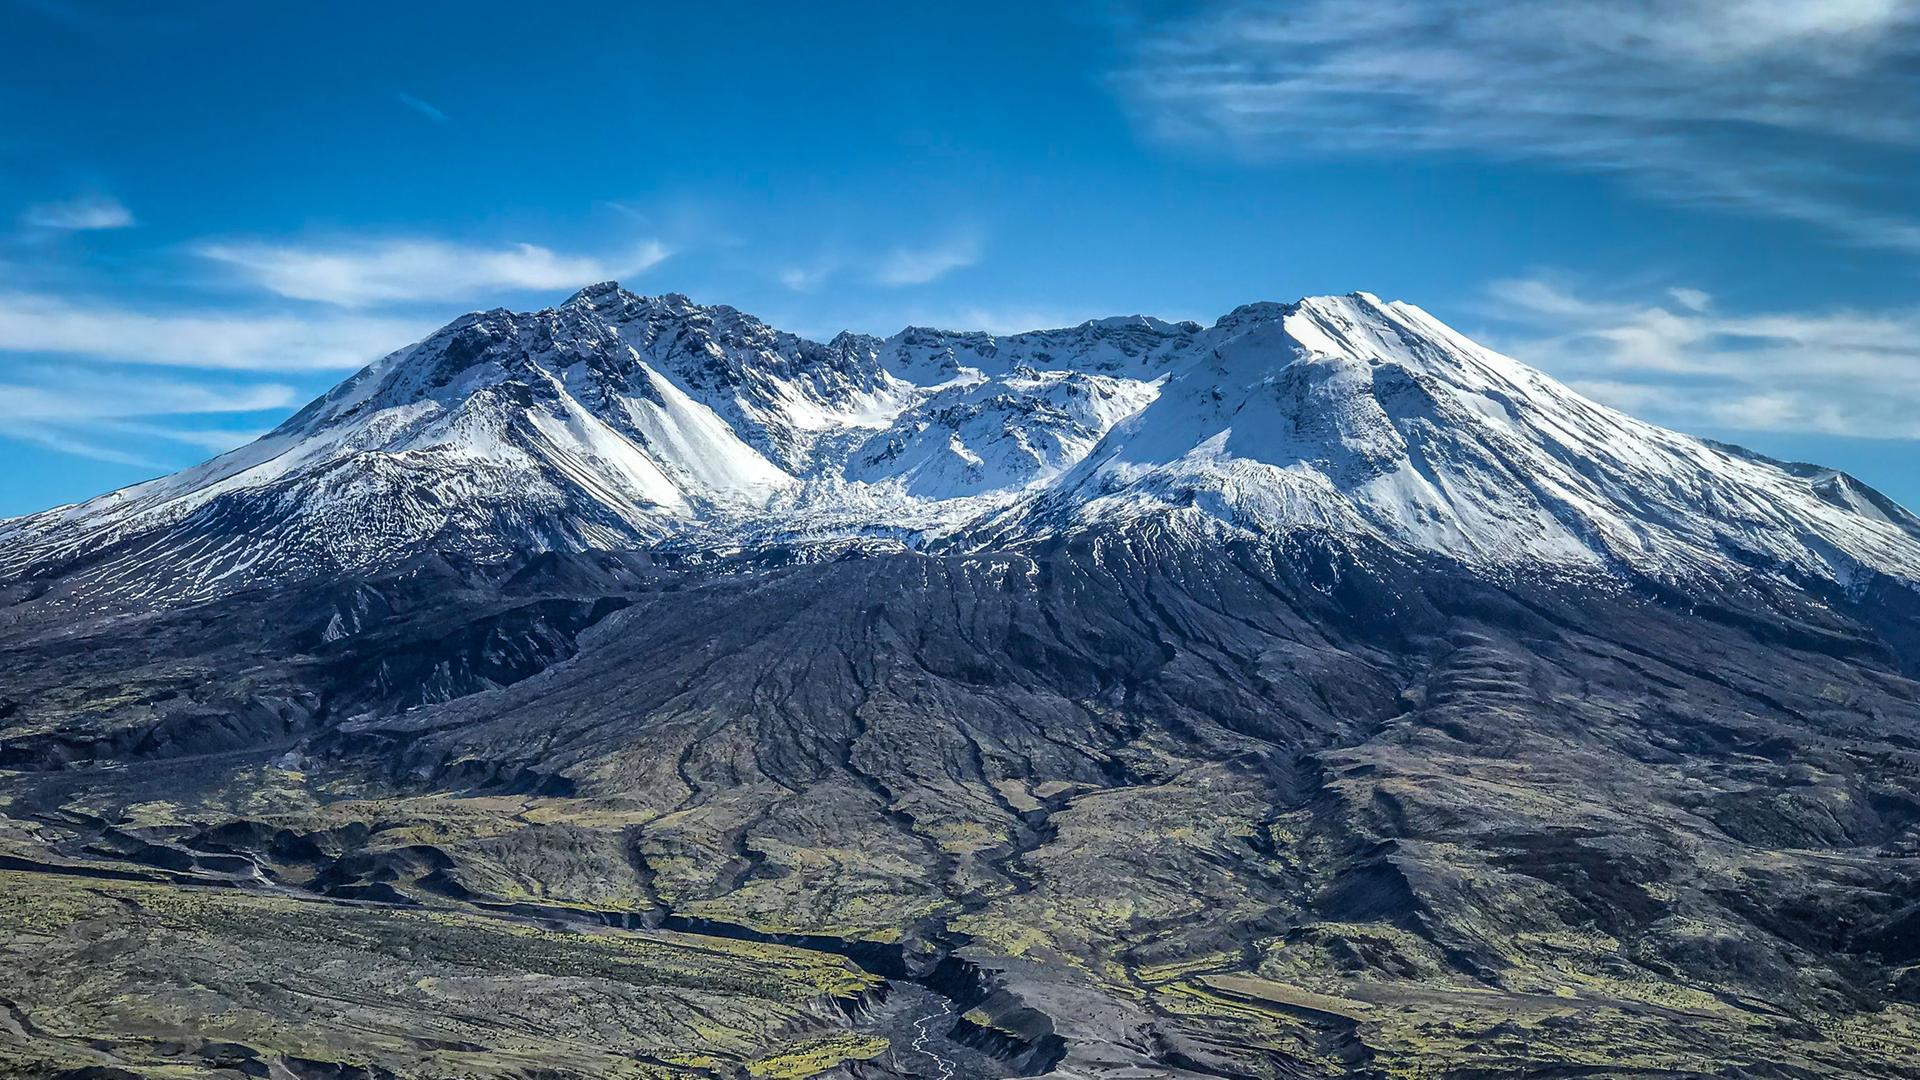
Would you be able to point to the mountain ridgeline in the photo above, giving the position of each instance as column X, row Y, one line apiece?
column 629, row 688
column 617, row 421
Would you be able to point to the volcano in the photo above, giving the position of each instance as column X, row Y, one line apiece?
column 629, row 688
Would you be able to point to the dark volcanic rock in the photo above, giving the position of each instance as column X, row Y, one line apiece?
column 1130, row 762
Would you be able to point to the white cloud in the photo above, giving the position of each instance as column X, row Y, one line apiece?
column 1753, row 104
column 807, row 277
column 1684, row 361
column 918, row 266
column 1691, row 299
column 34, row 322
column 68, row 443
column 389, row 271
column 893, row 268
column 424, row 108
column 212, row 440
column 77, row 395
column 68, row 410
column 85, row 213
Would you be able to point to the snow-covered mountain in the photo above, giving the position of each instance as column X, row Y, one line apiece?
column 617, row 420
column 1357, row 415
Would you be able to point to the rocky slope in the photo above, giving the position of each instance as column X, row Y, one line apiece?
column 631, row 689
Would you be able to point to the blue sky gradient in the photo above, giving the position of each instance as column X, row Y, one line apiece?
column 211, row 212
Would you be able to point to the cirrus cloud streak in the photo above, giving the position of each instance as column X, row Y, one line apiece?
column 208, row 338
column 1750, row 104
column 367, row 273
column 63, row 408
column 1678, row 359
column 85, row 214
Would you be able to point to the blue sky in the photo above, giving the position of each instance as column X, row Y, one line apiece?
column 1702, row 213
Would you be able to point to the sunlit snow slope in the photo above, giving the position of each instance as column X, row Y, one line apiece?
column 617, row 420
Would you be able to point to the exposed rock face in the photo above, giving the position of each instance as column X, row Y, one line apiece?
column 1311, row 694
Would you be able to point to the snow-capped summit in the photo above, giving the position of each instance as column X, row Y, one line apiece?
column 1353, row 414
column 617, row 420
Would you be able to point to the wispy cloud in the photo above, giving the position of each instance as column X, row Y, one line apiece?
column 890, row 268
column 1683, row 360
column 65, row 394
column 424, row 108
column 390, row 271
column 1691, row 299
column 87, row 212
column 40, row 323
column 54, row 438
column 1754, row 104
column 215, row 440
column 918, row 266
column 65, row 409
column 806, row 277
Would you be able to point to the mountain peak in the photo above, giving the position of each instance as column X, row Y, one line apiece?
column 609, row 296
column 1256, row 312
column 619, row 420
column 596, row 294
